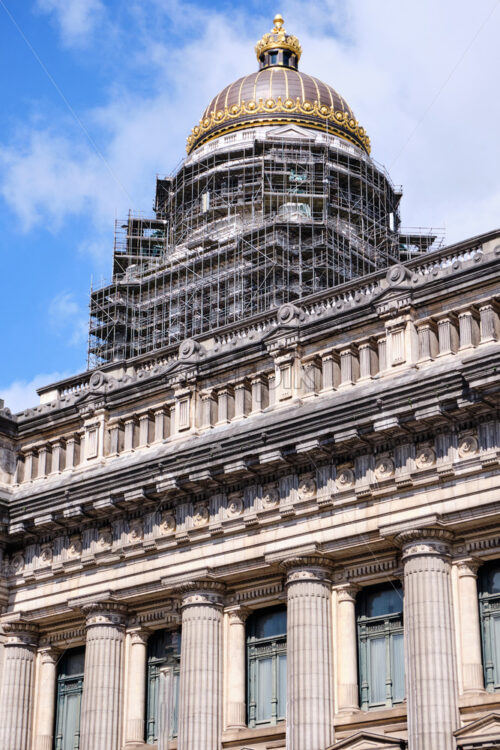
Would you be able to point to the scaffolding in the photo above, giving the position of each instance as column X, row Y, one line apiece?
column 241, row 229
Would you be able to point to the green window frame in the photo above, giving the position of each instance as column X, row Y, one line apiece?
column 381, row 647
column 266, row 667
column 70, row 671
column 489, row 612
column 164, row 649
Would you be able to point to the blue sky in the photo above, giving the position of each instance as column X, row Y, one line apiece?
column 82, row 140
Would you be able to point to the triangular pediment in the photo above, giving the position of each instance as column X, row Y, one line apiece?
column 291, row 131
column 369, row 741
column 481, row 733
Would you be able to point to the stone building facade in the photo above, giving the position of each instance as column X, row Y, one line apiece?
column 284, row 530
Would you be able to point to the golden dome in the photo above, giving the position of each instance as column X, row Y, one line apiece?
column 276, row 94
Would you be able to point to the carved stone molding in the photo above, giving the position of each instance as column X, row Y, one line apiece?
column 432, row 541
column 201, row 592
column 106, row 612
column 20, row 633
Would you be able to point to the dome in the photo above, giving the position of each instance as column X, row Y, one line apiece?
column 276, row 94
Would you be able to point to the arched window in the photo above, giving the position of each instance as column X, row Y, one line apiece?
column 69, row 699
column 489, row 607
column 266, row 666
column 380, row 646
column 164, row 649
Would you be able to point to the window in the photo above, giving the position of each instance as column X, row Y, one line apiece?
column 489, row 607
column 273, row 58
column 266, row 666
column 69, row 699
column 164, row 649
column 286, row 57
column 380, row 645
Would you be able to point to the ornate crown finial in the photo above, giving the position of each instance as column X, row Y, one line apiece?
column 277, row 38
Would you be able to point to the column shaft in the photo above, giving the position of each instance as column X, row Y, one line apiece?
column 236, row 712
column 200, row 693
column 348, row 698
column 102, row 701
column 310, row 705
column 470, row 634
column 16, row 686
column 430, row 658
column 136, row 704
column 47, row 699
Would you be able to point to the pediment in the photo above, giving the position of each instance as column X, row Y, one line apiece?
column 483, row 733
column 291, row 131
column 369, row 741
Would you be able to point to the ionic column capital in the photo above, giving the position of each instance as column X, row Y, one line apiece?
column 418, row 542
column 303, row 568
column 106, row 612
column 196, row 593
column 20, row 633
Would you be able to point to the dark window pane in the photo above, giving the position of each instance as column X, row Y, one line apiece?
column 267, row 624
column 273, row 58
column 72, row 663
column 286, row 57
column 384, row 601
column 492, row 579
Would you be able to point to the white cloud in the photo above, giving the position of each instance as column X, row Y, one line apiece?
column 76, row 18
column 67, row 318
column 21, row 394
column 392, row 61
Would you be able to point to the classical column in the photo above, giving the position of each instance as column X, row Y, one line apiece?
column 102, row 700
column 470, row 633
column 310, row 706
column 136, row 704
column 200, row 690
column 166, row 695
column 16, row 685
column 236, row 689
column 430, row 659
column 348, row 697
column 47, row 698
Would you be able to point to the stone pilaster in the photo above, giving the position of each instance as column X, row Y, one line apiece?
column 309, row 654
column 102, row 701
column 236, row 707
column 470, row 633
column 430, row 658
column 136, row 702
column 348, row 697
column 16, row 685
column 166, row 696
column 47, row 698
column 200, row 691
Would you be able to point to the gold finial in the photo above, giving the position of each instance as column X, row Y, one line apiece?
column 277, row 38
column 278, row 23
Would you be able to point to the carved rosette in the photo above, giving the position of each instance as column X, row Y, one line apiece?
column 468, row 446
column 201, row 514
column 384, row 468
column 105, row 613
column 271, row 497
column 345, row 478
column 425, row 458
column 168, row 523
column 46, row 555
column 75, row 548
column 105, row 539
column 17, row 563
column 235, row 505
column 136, row 531
column 307, row 488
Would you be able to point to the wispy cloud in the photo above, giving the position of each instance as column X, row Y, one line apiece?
column 75, row 18
column 21, row 394
column 373, row 52
column 68, row 319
